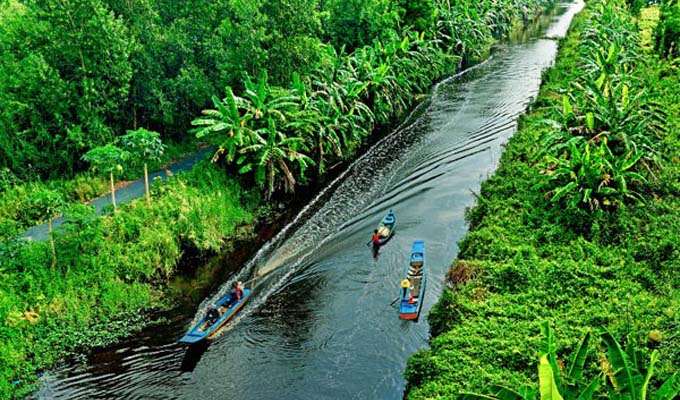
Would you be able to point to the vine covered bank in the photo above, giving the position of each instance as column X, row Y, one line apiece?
column 577, row 229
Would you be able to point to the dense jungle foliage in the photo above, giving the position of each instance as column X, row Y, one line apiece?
column 567, row 284
column 294, row 86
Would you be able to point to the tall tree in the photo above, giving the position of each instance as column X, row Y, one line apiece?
column 70, row 72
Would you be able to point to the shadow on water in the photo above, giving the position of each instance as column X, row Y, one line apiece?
column 193, row 355
column 320, row 323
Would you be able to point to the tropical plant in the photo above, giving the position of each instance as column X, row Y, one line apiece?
column 48, row 203
column 144, row 146
column 462, row 27
column 601, row 149
column 313, row 126
column 623, row 370
column 226, row 125
column 272, row 153
column 108, row 160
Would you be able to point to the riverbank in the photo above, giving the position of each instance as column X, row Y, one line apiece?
column 113, row 270
column 580, row 266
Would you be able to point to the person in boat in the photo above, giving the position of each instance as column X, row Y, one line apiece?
column 376, row 238
column 212, row 315
column 411, row 300
column 236, row 294
column 405, row 285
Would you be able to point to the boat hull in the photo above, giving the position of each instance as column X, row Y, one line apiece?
column 413, row 294
column 386, row 227
column 200, row 331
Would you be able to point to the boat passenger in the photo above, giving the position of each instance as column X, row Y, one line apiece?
column 405, row 284
column 411, row 300
column 236, row 294
column 376, row 238
column 212, row 315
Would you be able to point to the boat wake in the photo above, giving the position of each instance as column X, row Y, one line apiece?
column 347, row 205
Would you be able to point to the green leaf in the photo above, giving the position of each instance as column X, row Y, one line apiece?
column 631, row 161
column 611, row 52
column 589, row 391
column 566, row 106
column 546, row 381
column 579, row 358
column 650, row 371
column 628, row 379
column 563, row 190
column 504, row 393
column 670, row 389
column 474, row 396
column 586, row 195
column 590, row 121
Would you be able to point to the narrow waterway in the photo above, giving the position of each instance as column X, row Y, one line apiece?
column 320, row 324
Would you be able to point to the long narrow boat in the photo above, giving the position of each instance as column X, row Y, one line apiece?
column 203, row 328
column 386, row 227
column 413, row 285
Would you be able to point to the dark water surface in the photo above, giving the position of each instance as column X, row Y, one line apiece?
column 320, row 324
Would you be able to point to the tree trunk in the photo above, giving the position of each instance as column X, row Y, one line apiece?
column 146, row 185
column 54, row 251
column 113, row 194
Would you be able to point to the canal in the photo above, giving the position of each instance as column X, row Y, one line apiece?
column 320, row 324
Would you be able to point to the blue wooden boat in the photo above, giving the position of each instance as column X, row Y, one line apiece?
column 203, row 328
column 386, row 227
column 413, row 284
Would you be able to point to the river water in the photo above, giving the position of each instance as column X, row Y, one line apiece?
column 320, row 324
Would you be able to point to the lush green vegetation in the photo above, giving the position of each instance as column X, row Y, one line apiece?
column 667, row 32
column 108, row 269
column 307, row 82
column 277, row 133
column 578, row 227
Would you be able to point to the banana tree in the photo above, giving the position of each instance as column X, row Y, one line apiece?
column 626, row 376
column 553, row 383
column 227, row 125
column 144, row 146
column 267, row 102
column 623, row 370
column 313, row 123
column 274, row 158
column 337, row 95
column 108, row 160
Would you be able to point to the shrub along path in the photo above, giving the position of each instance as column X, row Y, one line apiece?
column 131, row 191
